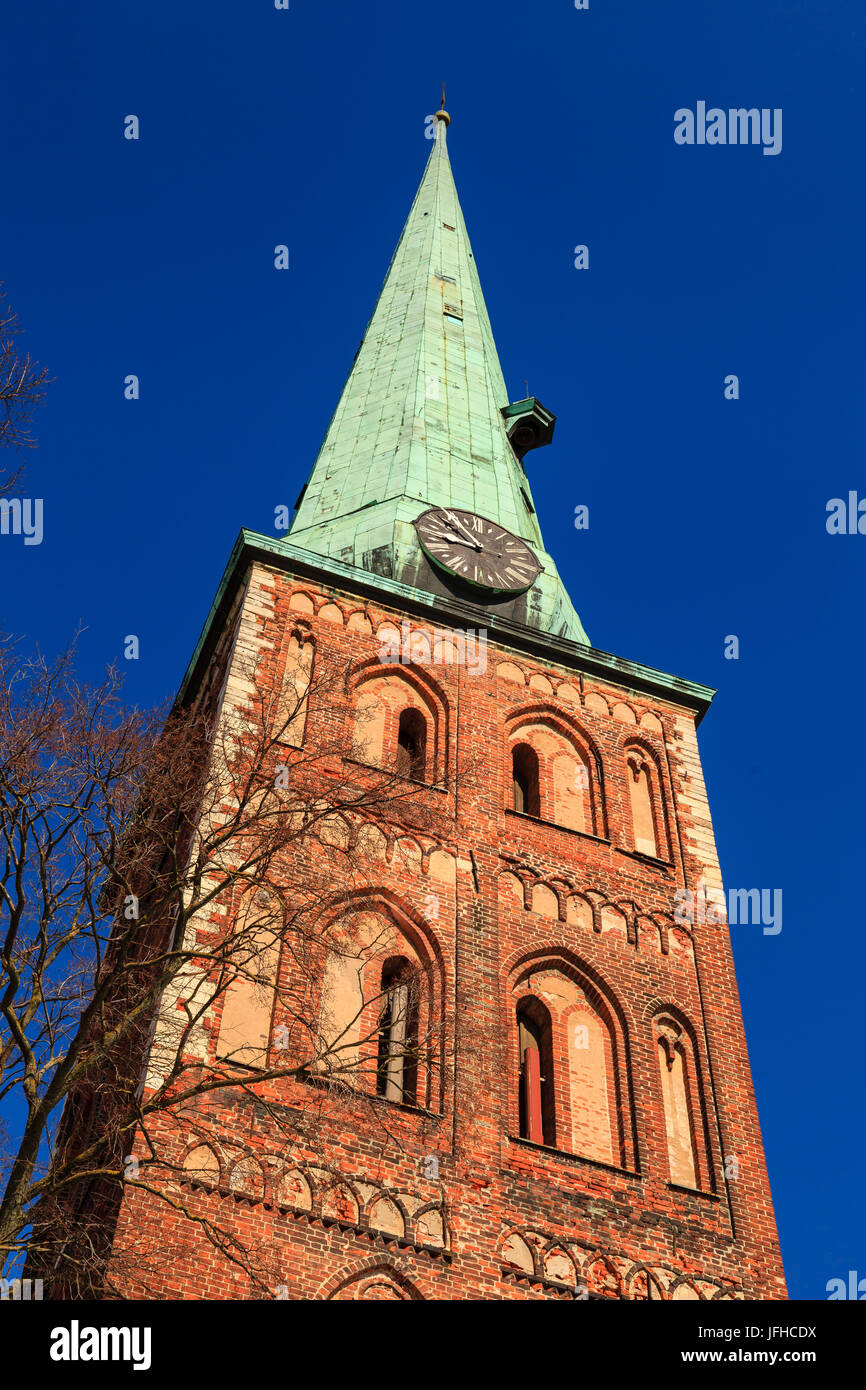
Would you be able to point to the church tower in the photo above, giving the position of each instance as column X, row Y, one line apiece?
column 518, row 1062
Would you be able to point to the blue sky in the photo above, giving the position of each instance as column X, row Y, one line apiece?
column 707, row 516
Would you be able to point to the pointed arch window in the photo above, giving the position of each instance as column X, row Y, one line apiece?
column 537, row 1103
column 646, row 832
column 397, row 1062
column 525, row 780
column 412, row 745
column 678, row 1098
column 574, row 1085
column 291, row 714
column 375, row 1030
column 249, row 992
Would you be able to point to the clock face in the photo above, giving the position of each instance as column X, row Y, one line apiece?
column 478, row 551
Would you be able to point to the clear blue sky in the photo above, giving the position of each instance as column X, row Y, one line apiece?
column 707, row 516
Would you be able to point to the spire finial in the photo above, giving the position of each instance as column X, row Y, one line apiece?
column 442, row 114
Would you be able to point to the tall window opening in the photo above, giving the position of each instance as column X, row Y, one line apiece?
column 291, row 715
column 412, row 745
column 536, row 1090
column 397, row 1065
column 524, row 769
column 644, row 827
column 678, row 1104
column 250, row 992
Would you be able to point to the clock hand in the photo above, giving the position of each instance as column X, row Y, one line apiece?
column 459, row 540
column 458, row 526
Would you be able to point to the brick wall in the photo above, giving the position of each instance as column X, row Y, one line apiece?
column 444, row 1199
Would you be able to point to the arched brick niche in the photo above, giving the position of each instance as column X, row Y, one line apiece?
column 378, row 1024
column 552, row 770
column 290, row 713
column 686, row 1133
column 247, row 989
column 201, row 1165
column 302, row 602
column 400, row 721
column 647, row 819
column 584, row 1096
column 373, row 1280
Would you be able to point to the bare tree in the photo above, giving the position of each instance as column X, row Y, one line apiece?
column 160, row 876
column 22, row 389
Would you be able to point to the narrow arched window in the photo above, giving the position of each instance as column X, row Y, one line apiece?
column 249, row 992
column 397, row 1062
column 536, row 1090
column 524, row 772
column 412, row 745
column 678, row 1103
column 291, row 712
column 644, row 829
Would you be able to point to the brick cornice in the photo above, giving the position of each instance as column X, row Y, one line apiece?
column 282, row 555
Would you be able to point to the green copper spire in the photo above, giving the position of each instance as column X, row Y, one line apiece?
column 420, row 421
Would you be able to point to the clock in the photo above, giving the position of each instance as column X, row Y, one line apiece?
column 477, row 551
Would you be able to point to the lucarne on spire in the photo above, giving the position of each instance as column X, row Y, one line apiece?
column 424, row 419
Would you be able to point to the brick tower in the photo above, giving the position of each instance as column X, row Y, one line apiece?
column 542, row 1088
